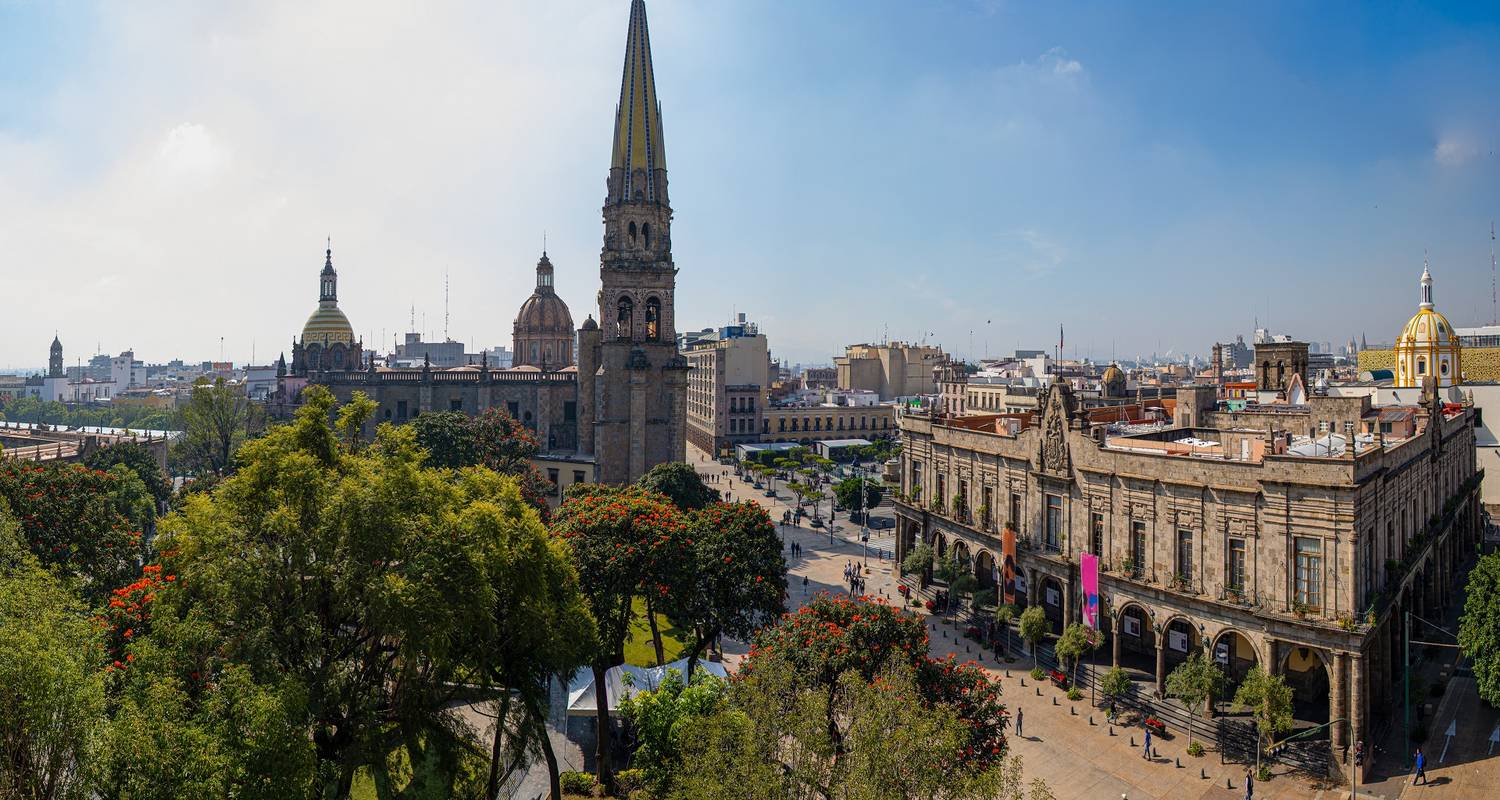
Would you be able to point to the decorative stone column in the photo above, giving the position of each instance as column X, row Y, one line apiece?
column 1161, row 663
column 1336, row 707
column 1357, row 710
column 1114, row 639
column 1273, row 663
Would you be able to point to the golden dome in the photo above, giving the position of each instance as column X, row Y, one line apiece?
column 1428, row 346
column 327, row 325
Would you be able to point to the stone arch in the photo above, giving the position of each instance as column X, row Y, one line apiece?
column 1189, row 637
column 961, row 554
column 630, row 231
column 1239, row 655
column 1053, row 610
column 939, row 543
column 653, row 318
column 1306, row 670
column 625, row 317
column 646, row 235
column 1135, row 646
column 984, row 569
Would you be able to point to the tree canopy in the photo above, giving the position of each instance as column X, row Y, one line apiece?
column 680, row 482
column 313, row 616
column 494, row 440
column 217, row 419
column 1479, row 628
column 847, row 492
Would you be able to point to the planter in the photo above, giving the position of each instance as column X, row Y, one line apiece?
column 1155, row 725
column 1058, row 678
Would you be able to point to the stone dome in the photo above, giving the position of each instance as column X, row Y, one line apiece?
column 544, row 312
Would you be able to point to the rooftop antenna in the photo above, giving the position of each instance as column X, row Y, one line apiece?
column 1493, row 316
column 412, row 326
column 445, row 301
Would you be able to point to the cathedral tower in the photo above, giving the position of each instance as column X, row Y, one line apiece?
column 55, row 359
column 641, row 388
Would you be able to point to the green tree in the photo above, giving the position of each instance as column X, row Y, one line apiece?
column 918, row 560
column 141, row 460
column 1077, row 641
column 624, row 542
column 1034, row 628
column 315, row 615
column 1479, row 627
column 857, row 737
column 1114, row 684
column 1270, row 701
column 681, row 484
column 735, row 582
column 1195, row 682
column 1004, row 614
column 657, row 716
column 448, row 438
column 218, row 418
column 50, row 680
column 848, row 494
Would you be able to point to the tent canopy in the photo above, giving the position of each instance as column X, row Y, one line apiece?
column 582, row 700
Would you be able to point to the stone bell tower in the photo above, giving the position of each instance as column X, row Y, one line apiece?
column 641, row 386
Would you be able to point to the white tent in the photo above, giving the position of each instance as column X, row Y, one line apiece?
column 581, row 695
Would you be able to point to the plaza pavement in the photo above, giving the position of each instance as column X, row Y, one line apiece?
column 1075, row 758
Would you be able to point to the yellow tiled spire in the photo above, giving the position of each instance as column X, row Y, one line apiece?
column 638, row 149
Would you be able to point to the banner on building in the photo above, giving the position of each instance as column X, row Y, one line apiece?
column 1008, row 571
column 1177, row 640
column 1131, row 625
column 1088, row 568
column 1221, row 652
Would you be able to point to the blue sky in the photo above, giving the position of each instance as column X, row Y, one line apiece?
column 1152, row 176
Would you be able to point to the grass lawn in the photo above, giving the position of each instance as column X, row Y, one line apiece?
column 639, row 651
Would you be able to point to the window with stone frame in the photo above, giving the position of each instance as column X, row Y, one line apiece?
column 987, row 507
column 1234, row 569
column 1307, row 579
column 1052, row 530
column 1137, row 548
column 1185, row 556
column 1096, row 533
column 1015, row 511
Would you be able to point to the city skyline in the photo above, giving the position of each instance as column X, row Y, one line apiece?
column 1054, row 167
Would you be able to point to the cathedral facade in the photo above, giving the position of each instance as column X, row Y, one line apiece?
column 619, row 408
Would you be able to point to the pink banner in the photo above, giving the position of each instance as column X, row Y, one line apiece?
column 1088, row 568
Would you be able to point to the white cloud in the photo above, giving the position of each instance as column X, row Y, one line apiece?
column 1454, row 150
column 1032, row 251
column 188, row 148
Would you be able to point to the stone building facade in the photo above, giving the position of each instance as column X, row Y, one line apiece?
column 1277, row 362
column 1232, row 533
column 891, row 370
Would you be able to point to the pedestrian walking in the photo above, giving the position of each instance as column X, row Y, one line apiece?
column 1421, row 767
column 1020, row 721
column 1249, row 786
column 1146, row 750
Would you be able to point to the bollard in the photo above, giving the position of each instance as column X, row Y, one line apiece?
column 1155, row 754
column 1091, row 720
column 1054, row 698
column 1072, row 711
column 1227, row 784
column 1007, row 673
column 1038, row 690
column 1202, row 774
column 1178, row 761
column 1111, row 730
column 1023, row 679
column 1132, row 740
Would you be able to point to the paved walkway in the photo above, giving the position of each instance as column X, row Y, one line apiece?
column 1060, row 746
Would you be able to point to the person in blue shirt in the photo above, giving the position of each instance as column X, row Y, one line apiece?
column 1421, row 767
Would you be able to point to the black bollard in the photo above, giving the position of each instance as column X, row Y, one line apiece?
column 1054, row 699
column 1072, row 711
column 1132, row 740
column 1202, row 774
column 1091, row 720
column 1038, row 690
column 1227, row 784
column 1179, row 762
column 1111, row 730
column 1023, row 679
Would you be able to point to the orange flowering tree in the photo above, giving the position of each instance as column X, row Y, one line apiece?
column 624, row 542
column 834, row 636
column 70, row 518
column 735, row 582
